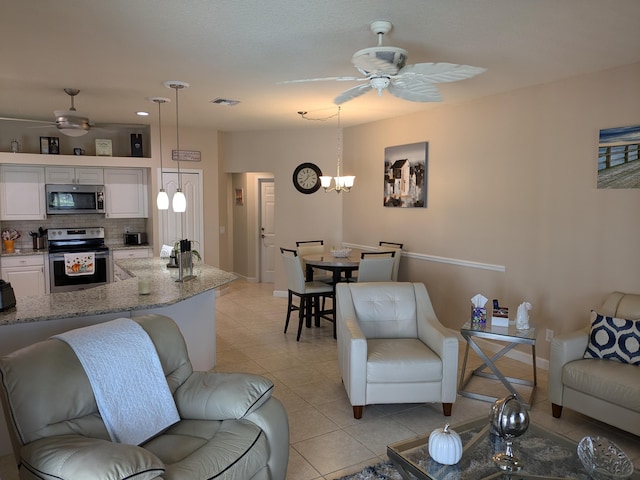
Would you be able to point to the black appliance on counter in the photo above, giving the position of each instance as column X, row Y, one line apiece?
column 70, row 253
column 7, row 296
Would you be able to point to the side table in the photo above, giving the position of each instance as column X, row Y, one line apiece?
column 512, row 337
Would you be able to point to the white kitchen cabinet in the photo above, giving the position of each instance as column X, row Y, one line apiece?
column 26, row 273
column 118, row 273
column 126, row 192
column 74, row 175
column 22, row 194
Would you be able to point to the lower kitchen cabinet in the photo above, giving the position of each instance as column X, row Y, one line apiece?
column 26, row 273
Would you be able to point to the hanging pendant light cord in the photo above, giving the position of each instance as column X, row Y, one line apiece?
column 178, row 140
column 160, row 138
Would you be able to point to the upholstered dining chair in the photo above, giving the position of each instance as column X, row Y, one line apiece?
column 311, row 247
column 309, row 294
column 392, row 348
column 397, row 247
column 376, row 266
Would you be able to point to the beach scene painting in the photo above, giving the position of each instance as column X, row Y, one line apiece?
column 618, row 155
column 405, row 175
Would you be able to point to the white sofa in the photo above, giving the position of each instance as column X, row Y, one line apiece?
column 391, row 346
column 606, row 390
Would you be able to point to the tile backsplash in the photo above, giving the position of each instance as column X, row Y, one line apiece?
column 113, row 228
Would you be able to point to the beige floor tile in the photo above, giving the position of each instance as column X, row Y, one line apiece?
column 333, row 451
column 309, row 423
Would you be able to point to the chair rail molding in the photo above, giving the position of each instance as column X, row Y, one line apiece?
column 435, row 258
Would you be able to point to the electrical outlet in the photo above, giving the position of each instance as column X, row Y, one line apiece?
column 127, row 229
column 549, row 336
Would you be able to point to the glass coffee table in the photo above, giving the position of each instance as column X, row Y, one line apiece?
column 543, row 454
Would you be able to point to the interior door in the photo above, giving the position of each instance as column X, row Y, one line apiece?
column 174, row 226
column 267, row 229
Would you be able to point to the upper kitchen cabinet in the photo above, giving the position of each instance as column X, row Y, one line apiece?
column 126, row 192
column 22, row 194
column 74, row 176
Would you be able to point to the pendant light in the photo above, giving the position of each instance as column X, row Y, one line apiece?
column 342, row 183
column 179, row 202
column 162, row 200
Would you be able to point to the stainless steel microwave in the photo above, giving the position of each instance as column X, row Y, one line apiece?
column 74, row 199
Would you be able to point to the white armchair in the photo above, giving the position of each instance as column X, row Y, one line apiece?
column 391, row 346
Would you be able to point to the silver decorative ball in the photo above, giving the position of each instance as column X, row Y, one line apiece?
column 508, row 417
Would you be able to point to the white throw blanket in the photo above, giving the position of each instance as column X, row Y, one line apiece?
column 123, row 367
column 79, row 263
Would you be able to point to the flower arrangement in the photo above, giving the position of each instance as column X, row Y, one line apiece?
column 10, row 235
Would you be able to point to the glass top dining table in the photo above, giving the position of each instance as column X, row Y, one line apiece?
column 336, row 265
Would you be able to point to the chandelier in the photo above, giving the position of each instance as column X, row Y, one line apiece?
column 341, row 183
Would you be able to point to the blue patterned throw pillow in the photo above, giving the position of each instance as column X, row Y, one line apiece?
column 614, row 339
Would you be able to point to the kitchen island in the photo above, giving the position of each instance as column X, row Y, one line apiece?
column 191, row 304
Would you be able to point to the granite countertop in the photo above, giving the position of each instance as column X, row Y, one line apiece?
column 23, row 251
column 119, row 296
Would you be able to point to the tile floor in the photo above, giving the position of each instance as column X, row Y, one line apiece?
column 326, row 442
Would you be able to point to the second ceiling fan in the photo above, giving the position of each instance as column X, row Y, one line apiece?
column 384, row 68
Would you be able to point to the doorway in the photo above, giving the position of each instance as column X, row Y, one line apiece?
column 267, row 249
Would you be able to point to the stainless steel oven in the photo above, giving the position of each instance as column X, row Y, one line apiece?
column 78, row 259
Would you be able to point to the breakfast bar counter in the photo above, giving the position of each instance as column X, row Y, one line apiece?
column 120, row 296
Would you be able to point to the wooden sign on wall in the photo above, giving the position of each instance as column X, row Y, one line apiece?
column 186, row 155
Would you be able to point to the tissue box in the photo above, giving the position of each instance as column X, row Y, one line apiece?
column 500, row 317
column 478, row 316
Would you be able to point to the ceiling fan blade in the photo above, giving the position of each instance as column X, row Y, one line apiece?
column 440, row 72
column 26, row 120
column 352, row 93
column 414, row 90
column 339, row 79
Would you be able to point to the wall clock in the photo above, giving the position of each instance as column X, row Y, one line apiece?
column 306, row 178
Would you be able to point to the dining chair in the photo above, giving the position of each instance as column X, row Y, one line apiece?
column 397, row 247
column 309, row 294
column 376, row 266
column 311, row 247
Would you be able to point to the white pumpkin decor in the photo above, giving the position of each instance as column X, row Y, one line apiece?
column 445, row 446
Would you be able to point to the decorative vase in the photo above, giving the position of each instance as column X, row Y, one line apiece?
column 9, row 246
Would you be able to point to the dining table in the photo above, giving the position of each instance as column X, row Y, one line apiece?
column 336, row 265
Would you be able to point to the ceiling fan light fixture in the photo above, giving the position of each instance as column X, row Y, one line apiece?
column 73, row 131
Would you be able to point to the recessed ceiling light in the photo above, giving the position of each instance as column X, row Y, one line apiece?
column 142, row 114
column 225, row 101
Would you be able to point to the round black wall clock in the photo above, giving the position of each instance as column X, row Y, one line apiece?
column 306, row 178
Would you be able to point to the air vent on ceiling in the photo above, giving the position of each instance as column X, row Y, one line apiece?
column 225, row 101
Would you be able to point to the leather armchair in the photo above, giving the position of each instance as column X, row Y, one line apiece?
column 391, row 346
column 606, row 390
column 230, row 426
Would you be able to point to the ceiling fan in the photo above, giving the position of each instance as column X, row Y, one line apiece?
column 384, row 68
column 69, row 122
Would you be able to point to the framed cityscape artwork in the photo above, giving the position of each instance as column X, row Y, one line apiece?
column 405, row 175
column 618, row 155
